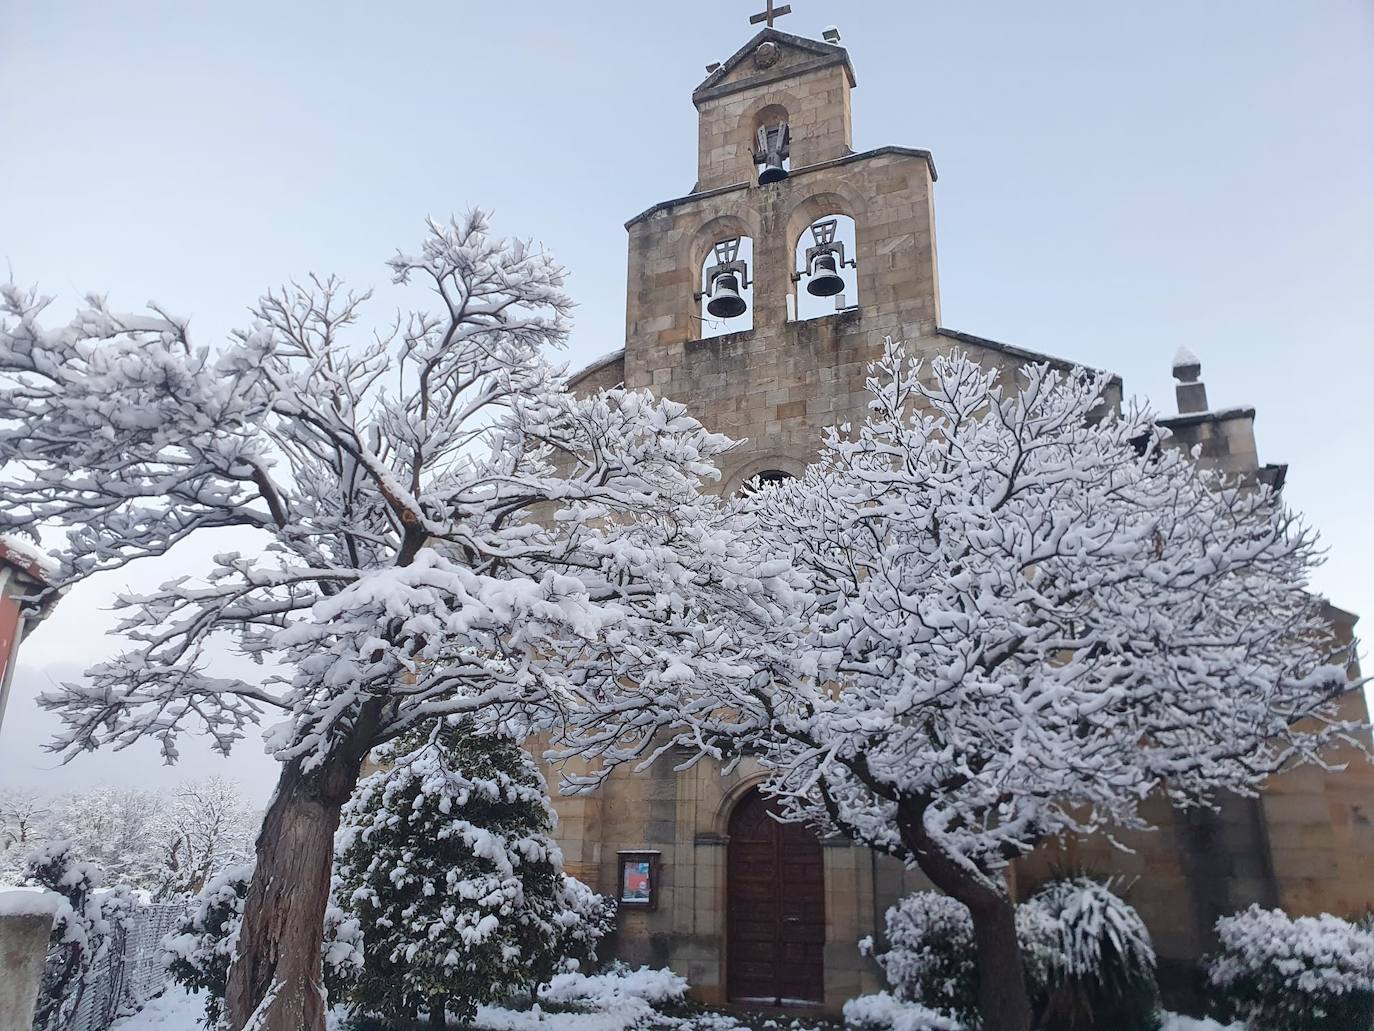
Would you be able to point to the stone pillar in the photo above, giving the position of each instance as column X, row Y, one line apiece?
column 25, row 923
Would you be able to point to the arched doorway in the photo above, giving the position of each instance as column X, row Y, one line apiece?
column 775, row 908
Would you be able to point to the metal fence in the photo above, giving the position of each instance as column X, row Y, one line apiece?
column 131, row 971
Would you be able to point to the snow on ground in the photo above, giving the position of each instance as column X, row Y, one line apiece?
column 618, row 1008
column 179, row 1010
column 1177, row 1022
column 174, row 1010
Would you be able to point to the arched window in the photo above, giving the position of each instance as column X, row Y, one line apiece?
column 760, row 481
column 826, row 278
column 727, row 288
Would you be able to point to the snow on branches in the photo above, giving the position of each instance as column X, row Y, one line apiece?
column 1028, row 611
column 392, row 479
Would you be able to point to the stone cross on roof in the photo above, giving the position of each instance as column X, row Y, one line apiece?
column 771, row 15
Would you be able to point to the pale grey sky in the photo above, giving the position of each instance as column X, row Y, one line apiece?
column 1115, row 180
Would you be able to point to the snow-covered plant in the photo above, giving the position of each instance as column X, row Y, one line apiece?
column 83, row 928
column 448, row 863
column 1310, row 973
column 884, row 1012
column 1029, row 610
column 612, row 988
column 198, row 953
column 585, row 918
column 928, row 954
column 427, row 523
column 1090, row 960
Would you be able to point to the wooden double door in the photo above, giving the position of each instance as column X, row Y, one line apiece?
column 775, row 909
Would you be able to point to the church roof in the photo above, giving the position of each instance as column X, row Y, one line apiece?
column 812, row 53
column 1017, row 352
column 865, row 155
column 964, row 338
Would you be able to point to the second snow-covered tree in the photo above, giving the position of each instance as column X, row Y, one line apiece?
column 1029, row 610
column 448, row 863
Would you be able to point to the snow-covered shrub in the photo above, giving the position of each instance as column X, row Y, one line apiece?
column 585, row 919
column 1089, row 958
column 610, row 990
column 82, row 927
column 446, row 860
column 884, row 1012
column 929, row 958
column 199, row 952
column 1298, row 974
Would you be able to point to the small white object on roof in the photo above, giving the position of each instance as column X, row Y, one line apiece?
column 26, row 555
column 1185, row 357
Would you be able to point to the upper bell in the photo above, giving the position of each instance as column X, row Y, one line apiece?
column 771, row 152
column 772, row 172
column 825, row 277
column 726, row 303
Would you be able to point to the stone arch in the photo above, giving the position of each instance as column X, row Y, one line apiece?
column 720, row 819
column 761, row 111
column 764, row 463
column 818, row 205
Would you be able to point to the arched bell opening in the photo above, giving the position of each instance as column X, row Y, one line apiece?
column 726, row 296
column 772, row 142
column 826, row 275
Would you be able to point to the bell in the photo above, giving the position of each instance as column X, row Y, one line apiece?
column 772, row 172
column 825, row 278
column 726, row 303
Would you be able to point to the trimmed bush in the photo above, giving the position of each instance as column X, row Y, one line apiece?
column 1280, row 973
column 1088, row 959
column 929, row 957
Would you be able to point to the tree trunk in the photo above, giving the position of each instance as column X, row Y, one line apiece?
column 276, row 981
column 1003, row 1001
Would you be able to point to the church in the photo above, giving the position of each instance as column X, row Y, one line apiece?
column 758, row 300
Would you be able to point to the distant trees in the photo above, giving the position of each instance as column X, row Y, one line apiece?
column 24, row 819
column 166, row 844
column 210, row 828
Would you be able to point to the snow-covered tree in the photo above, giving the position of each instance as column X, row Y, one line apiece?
column 448, row 864
column 25, row 817
column 1029, row 612
column 210, row 828
column 122, row 830
column 83, row 927
column 444, row 529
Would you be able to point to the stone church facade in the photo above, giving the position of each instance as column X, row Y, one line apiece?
column 750, row 911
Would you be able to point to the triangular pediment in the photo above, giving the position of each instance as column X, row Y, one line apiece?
column 772, row 55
